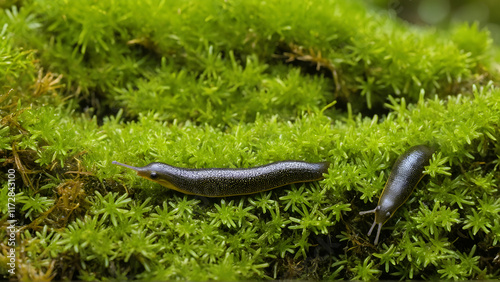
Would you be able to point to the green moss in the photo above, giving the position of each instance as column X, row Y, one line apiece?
column 204, row 84
column 16, row 66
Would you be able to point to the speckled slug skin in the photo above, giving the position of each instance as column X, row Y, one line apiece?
column 223, row 182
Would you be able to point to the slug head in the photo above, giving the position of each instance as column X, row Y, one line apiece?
column 155, row 172
column 381, row 216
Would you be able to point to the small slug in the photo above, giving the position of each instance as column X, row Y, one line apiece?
column 405, row 175
column 224, row 182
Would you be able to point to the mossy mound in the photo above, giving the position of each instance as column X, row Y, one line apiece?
column 205, row 84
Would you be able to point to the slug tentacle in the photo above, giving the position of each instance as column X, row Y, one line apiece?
column 371, row 228
column 406, row 173
column 223, row 182
column 370, row 211
column 126, row 165
column 378, row 233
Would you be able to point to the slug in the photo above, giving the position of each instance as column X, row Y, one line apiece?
column 405, row 175
column 224, row 182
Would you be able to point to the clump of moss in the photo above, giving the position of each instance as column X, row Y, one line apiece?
column 237, row 84
column 222, row 62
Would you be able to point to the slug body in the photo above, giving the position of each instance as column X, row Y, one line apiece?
column 223, row 182
column 405, row 175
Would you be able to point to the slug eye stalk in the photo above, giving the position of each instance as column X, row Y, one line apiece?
column 125, row 165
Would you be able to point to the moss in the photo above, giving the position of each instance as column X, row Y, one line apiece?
column 238, row 84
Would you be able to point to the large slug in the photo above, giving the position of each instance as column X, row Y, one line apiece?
column 224, row 182
column 405, row 175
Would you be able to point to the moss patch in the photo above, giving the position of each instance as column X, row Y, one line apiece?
column 204, row 84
